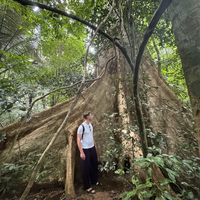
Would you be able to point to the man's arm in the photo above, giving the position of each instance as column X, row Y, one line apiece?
column 95, row 143
column 95, row 146
column 93, row 139
column 79, row 137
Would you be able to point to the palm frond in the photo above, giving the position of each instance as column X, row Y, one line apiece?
column 12, row 36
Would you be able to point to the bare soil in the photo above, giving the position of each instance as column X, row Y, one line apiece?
column 112, row 187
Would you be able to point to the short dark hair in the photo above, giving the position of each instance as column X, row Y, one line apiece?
column 86, row 114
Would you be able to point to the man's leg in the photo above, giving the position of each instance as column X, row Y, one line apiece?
column 94, row 166
column 85, row 165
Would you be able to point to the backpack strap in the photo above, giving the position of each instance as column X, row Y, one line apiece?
column 83, row 130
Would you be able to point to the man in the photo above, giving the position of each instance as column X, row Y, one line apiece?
column 88, row 154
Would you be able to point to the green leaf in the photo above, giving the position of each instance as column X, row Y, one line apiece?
column 165, row 181
column 190, row 195
column 120, row 172
column 172, row 172
column 128, row 194
column 172, row 177
column 140, row 196
column 135, row 181
column 133, row 193
column 160, row 198
column 150, row 171
column 185, row 184
column 167, row 195
column 150, row 193
column 158, row 161
column 142, row 186
column 123, row 194
column 185, row 162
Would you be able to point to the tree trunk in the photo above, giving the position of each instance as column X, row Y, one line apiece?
column 70, row 166
column 53, row 101
column 186, row 27
column 100, row 99
column 131, row 150
column 43, row 102
column 37, row 133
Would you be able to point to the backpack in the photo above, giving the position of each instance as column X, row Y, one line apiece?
column 83, row 130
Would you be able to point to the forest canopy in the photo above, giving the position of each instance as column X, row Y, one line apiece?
column 48, row 47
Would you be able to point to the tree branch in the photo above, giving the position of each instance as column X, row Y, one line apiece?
column 163, row 6
column 55, row 10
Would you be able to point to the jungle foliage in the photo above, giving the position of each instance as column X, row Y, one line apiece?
column 41, row 51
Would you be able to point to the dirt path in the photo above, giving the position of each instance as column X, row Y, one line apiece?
column 112, row 187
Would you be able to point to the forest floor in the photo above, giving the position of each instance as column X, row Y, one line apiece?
column 112, row 187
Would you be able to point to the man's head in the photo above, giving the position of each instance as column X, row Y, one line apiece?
column 88, row 115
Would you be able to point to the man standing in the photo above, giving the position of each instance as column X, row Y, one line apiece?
column 88, row 154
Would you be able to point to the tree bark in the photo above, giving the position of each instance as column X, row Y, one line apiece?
column 70, row 166
column 186, row 27
column 131, row 150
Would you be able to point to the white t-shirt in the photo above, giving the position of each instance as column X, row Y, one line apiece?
column 87, row 140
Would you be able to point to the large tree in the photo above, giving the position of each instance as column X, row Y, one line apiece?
column 186, row 26
column 113, row 93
